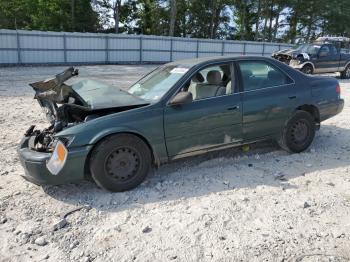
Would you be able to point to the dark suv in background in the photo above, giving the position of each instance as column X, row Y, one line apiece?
column 325, row 55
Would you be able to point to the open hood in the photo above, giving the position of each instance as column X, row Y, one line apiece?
column 68, row 105
column 64, row 104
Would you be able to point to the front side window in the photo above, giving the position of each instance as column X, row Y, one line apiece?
column 324, row 49
column 211, row 81
column 259, row 74
column 152, row 87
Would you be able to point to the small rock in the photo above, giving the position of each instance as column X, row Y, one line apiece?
column 306, row 205
column 222, row 238
column 173, row 257
column 330, row 184
column 340, row 235
column 85, row 259
column 3, row 220
column 147, row 229
column 74, row 244
column 250, row 165
column 4, row 173
column 245, row 199
column 226, row 183
column 40, row 241
column 118, row 228
column 46, row 257
column 280, row 176
column 159, row 186
column 60, row 224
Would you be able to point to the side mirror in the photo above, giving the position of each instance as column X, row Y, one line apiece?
column 323, row 53
column 181, row 98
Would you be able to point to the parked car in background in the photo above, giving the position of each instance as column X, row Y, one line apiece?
column 326, row 55
column 181, row 109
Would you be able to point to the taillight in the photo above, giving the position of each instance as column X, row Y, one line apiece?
column 337, row 89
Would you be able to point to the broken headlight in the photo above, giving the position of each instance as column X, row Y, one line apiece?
column 57, row 159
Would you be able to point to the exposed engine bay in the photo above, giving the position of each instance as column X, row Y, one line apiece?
column 68, row 105
column 286, row 56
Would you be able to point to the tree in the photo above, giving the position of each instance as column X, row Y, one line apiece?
column 173, row 11
column 54, row 15
column 111, row 8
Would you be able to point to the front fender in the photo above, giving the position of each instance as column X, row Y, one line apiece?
column 148, row 125
column 114, row 130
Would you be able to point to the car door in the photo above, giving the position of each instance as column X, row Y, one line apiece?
column 327, row 60
column 211, row 120
column 268, row 97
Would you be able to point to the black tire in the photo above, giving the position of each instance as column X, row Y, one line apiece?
column 346, row 73
column 307, row 69
column 298, row 133
column 120, row 162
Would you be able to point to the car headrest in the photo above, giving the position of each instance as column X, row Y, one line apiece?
column 214, row 77
column 198, row 78
column 246, row 73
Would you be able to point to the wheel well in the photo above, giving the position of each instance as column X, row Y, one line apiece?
column 155, row 159
column 309, row 64
column 313, row 110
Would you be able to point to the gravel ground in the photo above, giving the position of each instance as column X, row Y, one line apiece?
column 262, row 205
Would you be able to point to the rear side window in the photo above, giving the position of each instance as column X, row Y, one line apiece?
column 259, row 74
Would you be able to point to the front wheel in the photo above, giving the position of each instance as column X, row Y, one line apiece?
column 298, row 133
column 346, row 73
column 120, row 162
column 307, row 69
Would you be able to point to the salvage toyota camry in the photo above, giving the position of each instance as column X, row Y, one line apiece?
column 180, row 109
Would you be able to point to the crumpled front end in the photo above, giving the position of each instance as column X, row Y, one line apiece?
column 36, row 164
column 299, row 60
column 49, row 157
column 284, row 57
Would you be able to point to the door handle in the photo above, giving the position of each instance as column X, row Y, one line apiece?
column 233, row 108
column 292, row 97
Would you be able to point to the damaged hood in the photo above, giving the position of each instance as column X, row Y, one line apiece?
column 66, row 104
column 98, row 95
column 88, row 93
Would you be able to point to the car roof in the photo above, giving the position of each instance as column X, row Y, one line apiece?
column 202, row 60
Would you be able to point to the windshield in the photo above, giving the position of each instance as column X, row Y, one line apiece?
column 156, row 84
column 309, row 49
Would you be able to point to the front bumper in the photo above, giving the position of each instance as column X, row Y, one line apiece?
column 34, row 164
column 296, row 64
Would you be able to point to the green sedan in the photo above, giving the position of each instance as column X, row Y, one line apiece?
column 180, row 109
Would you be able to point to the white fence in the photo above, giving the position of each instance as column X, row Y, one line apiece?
column 36, row 47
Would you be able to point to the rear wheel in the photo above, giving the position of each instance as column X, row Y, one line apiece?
column 120, row 162
column 307, row 69
column 346, row 73
column 298, row 133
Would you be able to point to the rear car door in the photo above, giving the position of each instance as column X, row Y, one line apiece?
column 268, row 97
column 213, row 119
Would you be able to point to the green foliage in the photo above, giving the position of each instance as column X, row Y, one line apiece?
column 261, row 20
column 53, row 15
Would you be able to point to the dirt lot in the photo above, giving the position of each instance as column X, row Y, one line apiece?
column 263, row 205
